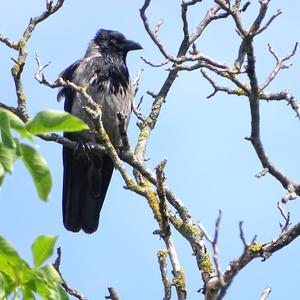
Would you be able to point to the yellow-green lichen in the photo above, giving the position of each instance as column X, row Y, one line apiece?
column 186, row 229
column 162, row 254
column 235, row 9
column 262, row 94
column 236, row 68
column 22, row 97
column 255, row 247
column 162, row 257
column 206, row 264
column 179, row 280
column 226, row 75
column 144, row 134
column 161, row 165
column 177, row 223
column 131, row 184
column 105, row 137
column 240, row 92
column 15, row 70
column 153, row 203
column 157, row 104
column 21, row 43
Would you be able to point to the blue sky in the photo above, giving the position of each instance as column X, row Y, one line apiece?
column 210, row 164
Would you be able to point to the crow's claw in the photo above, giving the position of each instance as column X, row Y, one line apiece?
column 82, row 150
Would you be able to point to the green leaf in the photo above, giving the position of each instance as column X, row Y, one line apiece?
column 51, row 273
column 38, row 168
column 7, row 158
column 47, row 284
column 51, row 120
column 27, row 293
column 16, row 296
column 42, row 249
column 18, row 280
column 14, row 122
column 7, row 251
column 8, row 285
column 2, row 289
column 61, row 293
column 6, row 135
column 11, row 263
column 2, row 173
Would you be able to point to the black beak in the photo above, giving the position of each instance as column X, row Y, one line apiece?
column 129, row 45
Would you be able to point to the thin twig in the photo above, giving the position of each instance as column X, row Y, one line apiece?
column 261, row 250
column 137, row 111
column 136, row 82
column 112, row 294
column 287, row 219
column 163, row 63
column 242, row 235
column 279, row 65
column 265, row 294
column 64, row 284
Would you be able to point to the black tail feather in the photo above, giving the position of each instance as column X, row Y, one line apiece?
column 86, row 180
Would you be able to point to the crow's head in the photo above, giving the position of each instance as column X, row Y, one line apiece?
column 110, row 42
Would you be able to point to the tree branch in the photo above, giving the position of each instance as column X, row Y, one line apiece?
column 255, row 250
column 265, row 294
column 20, row 46
column 64, row 284
column 112, row 294
column 161, row 256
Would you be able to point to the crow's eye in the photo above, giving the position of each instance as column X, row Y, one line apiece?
column 113, row 40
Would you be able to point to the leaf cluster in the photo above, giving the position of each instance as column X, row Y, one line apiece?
column 13, row 148
column 19, row 280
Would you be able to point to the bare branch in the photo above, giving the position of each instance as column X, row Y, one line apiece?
column 163, row 63
column 255, row 124
column 178, row 280
column 265, row 294
column 260, row 151
column 64, row 284
column 161, row 193
column 242, row 235
column 10, row 108
column 283, row 95
column 158, row 25
column 293, row 192
column 137, row 111
column 217, row 88
column 205, row 233
column 216, row 249
column 268, row 23
column 8, row 42
column 287, row 218
column 184, row 9
column 262, row 173
column 50, row 10
column 161, row 256
column 151, row 32
column 112, row 294
column 20, row 46
column 279, row 65
column 214, row 243
column 260, row 250
column 136, row 81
